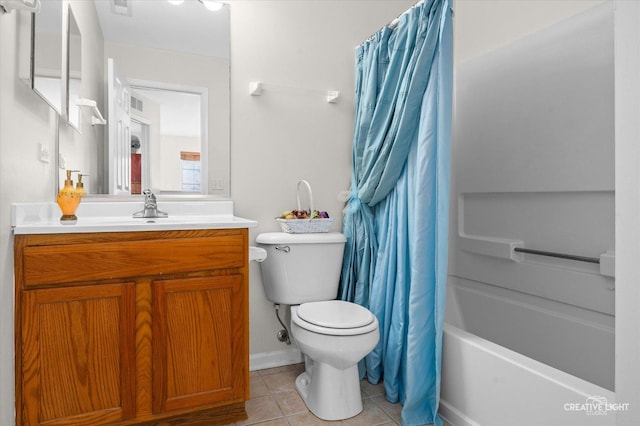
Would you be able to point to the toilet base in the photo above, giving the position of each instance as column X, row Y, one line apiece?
column 330, row 393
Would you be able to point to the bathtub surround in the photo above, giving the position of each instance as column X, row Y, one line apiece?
column 534, row 164
column 396, row 219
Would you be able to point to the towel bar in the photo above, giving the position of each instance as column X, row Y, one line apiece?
column 558, row 255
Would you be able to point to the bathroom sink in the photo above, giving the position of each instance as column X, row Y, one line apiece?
column 171, row 222
column 43, row 218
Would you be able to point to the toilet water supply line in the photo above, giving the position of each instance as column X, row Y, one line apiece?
column 283, row 335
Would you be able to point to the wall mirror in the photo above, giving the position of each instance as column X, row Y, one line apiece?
column 159, row 53
column 46, row 76
column 74, row 73
column 25, row 46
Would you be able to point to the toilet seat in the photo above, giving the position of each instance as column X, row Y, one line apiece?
column 334, row 317
column 335, row 314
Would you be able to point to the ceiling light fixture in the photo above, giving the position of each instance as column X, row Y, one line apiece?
column 121, row 7
column 212, row 5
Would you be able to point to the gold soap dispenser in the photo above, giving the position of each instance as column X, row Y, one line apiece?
column 68, row 201
column 80, row 186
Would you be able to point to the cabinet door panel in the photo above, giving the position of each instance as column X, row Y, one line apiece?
column 76, row 348
column 198, row 341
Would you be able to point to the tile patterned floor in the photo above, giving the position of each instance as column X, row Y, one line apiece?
column 275, row 402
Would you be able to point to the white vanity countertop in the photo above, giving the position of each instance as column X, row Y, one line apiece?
column 105, row 216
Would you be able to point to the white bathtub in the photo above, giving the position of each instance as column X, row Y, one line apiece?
column 485, row 384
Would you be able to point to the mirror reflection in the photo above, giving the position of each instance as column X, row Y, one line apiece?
column 176, row 148
column 157, row 135
column 74, row 76
column 167, row 100
column 46, row 77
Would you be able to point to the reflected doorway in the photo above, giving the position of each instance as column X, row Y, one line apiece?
column 140, row 164
column 167, row 139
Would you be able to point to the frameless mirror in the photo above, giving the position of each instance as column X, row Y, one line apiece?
column 46, row 78
column 171, row 133
column 25, row 46
column 74, row 74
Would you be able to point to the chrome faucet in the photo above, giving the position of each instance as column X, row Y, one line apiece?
column 150, row 206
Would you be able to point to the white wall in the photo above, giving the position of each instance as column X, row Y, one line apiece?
column 290, row 134
column 26, row 121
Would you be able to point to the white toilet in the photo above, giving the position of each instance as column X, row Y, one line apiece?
column 303, row 270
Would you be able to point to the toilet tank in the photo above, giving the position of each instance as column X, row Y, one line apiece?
column 301, row 268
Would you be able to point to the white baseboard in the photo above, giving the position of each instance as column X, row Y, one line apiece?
column 263, row 360
column 452, row 416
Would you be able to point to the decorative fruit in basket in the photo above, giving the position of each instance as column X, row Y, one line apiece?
column 303, row 214
column 287, row 215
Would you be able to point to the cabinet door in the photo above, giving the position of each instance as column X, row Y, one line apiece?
column 78, row 354
column 199, row 342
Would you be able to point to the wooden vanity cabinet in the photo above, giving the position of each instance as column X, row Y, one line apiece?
column 132, row 327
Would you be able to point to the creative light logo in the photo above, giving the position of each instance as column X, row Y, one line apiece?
column 596, row 406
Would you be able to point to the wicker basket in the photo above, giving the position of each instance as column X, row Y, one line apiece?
column 305, row 226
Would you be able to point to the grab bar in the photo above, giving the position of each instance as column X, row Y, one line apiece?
column 558, row 255
column 502, row 248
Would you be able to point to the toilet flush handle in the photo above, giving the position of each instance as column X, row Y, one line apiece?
column 284, row 249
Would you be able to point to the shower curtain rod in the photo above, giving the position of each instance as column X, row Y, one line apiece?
column 393, row 23
column 558, row 255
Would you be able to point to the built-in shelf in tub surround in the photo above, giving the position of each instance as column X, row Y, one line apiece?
column 117, row 216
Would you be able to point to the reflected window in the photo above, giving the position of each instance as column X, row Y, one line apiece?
column 190, row 171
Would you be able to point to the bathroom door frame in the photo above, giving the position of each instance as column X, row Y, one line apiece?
column 627, row 208
column 145, row 149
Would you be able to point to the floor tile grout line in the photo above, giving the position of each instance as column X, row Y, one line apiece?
column 274, row 395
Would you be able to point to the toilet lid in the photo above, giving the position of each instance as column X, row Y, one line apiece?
column 335, row 314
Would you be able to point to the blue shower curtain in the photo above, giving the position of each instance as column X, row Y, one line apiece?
column 396, row 219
